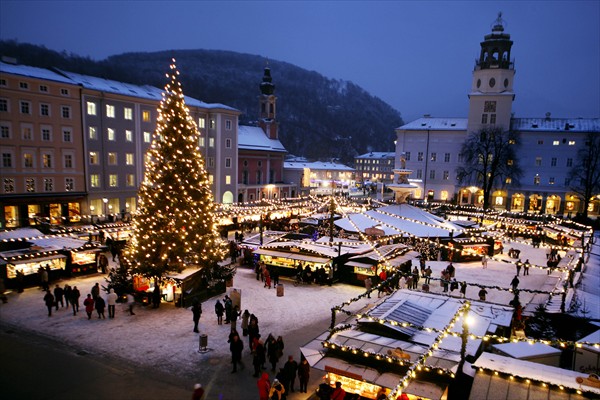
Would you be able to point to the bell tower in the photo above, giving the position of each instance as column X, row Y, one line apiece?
column 267, row 103
column 492, row 95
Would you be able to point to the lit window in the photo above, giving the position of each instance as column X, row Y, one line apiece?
column 46, row 134
column 201, row 142
column 446, row 175
column 47, row 160
column 227, row 143
column 211, row 123
column 128, row 113
column 536, row 180
column 30, row 185
column 508, row 180
column 110, row 111
column 551, row 180
column 44, row 110
column 112, row 158
column 94, row 159
column 147, row 137
column 91, row 108
column 211, row 178
column 68, row 161
column 129, row 158
column 93, row 132
column 9, row 185
column 112, row 180
column 129, row 135
column 145, row 115
column 67, row 135
column 130, row 180
column 69, row 184
column 228, row 179
column 66, row 111
column 95, row 180
column 201, row 123
column 571, row 143
column 25, row 107
column 48, row 185
column 211, row 142
column 228, row 162
column 28, row 160
column 555, row 143
column 509, row 162
column 111, row 134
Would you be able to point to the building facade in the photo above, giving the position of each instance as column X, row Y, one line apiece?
column 548, row 146
column 321, row 178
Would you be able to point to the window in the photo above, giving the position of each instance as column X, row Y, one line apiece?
column 567, row 181
column 65, row 111
column 110, row 111
column 47, row 160
column 129, row 135
column 227, row 143
column 211, row 162
column 147, row 137
column 555, row 143
column 510, row 161
column 64, row 92
column 484, row 118
column 258, row 177
column 419, row 174
column 7, row 160
column 211, row 178
column 44, row 110
column 130, row 180
column 93, row 132
column 146, row 116
column 446, row 175
column 211, row 123
column 95, row 180
column 30, row 185
column 489, row 107
column 571, row 143
column 23, row 85
column 228, row 162
column 91, row 108
column 44, row 88
column 93, row 158
column 110, row 132
column 201, row 142
column 9, row 185
column 446, row 157
column 27, row 160
column 493, row 121
column 551, row 180
column 569, row 162
column 553, row 162
column 27, row 132
column 112, row 158
column 433, row 156
column 68, row 161
column 432, row 174
column 228, row 124
column 538, row 161
column 48, row 184
column 4, row 132
column 112, row 180
column 46, row 134
column 540, row 142
column 67, row 135
column 420, row 156
column 508, row 181
column 69, row 184
column 25, row 107
column 3, row 82
column 201, row 123
column 211, row 142
column 407, row 156
column 536, row 180
column 128, row 113
column 4, row 105
column 129, row 158
column 228, row 179
column 245, row 177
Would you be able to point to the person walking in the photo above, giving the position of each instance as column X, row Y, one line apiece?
column 427, row 275
column 59, row 297
column 415, row 278
column 156, row 296
column 245, row 321
column 264, row 386
column 463, row 289
column 130, row 304
column 89, row 305
column 303, row 374
column 45, row 278
column 111, row 300
column 100, row 306
column 484, row 261
column 49, row 300
column 75, row 294
column 291, row 369
column 368, row 286
column 514, row 283
column 277, row 391
column 338, row 393
column 228, row 308
column 67, row 291
column 272, row 352
column 196, row 314
column 219, row 309
column 526, row 267
column 518, row 267
column 236, row 347
column 482, row 294
column 95, row 291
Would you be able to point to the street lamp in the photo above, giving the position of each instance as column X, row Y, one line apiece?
column 105, row 200
column 92, row 208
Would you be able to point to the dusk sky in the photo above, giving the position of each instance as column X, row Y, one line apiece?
column 418, row 56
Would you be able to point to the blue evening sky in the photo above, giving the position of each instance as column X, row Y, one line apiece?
column 418, row 56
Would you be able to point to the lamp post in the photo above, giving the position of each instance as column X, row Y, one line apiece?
column 466, row 322
column 105, row 201
column 92, row 208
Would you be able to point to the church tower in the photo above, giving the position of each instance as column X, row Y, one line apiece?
column 267, row 106
column 491, row 96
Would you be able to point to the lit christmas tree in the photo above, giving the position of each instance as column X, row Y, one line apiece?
column 175, row 223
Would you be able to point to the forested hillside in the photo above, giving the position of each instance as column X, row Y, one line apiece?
column 320, row 118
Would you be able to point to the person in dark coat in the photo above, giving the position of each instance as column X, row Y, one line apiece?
column 20, row 281
column 100, row 306
column 49, row 300
column 228, row 309
column 272, row 352
column 290, row 368
column 303, row 375
column 219, row 309
column 236, row 347
column 67, row 293
column 58, row 297
column 156, row 295
column 75, row 299
column 196, row 313
column 95, row 291
column 514, row 283
column 258, row 356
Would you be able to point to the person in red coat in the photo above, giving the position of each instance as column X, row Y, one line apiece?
column 198, row 392
column 338, row 392
column 89, row 305
column 264, row 385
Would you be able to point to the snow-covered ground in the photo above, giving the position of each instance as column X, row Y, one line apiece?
column 163, row 338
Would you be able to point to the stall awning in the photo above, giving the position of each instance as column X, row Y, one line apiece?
column 359, row 265
column 292, row 256
column 186, row 273
column 40, row 259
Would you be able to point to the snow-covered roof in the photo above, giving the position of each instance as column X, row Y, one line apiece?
column 436, row 124
column 20, row 234
column 377, row 155
column 254, row 138
column 397, row 219
column 317, row 165
column 556, row 124
column 34, row 72
column 525, row 350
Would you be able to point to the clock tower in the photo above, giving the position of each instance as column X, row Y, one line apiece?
column 267, row 106
column 491, row 95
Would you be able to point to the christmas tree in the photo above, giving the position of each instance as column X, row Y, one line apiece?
column 175, row 223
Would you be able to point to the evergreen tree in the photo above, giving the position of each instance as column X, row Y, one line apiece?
column 539, row 325
column 119, row 279
column 175, row 223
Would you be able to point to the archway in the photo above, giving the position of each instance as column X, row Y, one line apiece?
column 553, row 204
column 517, row 202
column 227, row 197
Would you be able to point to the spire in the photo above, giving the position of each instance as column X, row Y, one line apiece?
column 267, row 87
column 495, row 49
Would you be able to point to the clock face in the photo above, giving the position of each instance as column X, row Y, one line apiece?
column 506, row 82
column 492, row 82
column 478, row 83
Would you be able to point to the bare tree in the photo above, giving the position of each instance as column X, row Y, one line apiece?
column 585, row 174
column 488, row 160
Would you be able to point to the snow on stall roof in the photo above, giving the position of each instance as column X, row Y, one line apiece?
column 525, row 349
column 436, row 124
column 254, row 138
column 20, row 234
column 534, row 371
column 34, row 72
